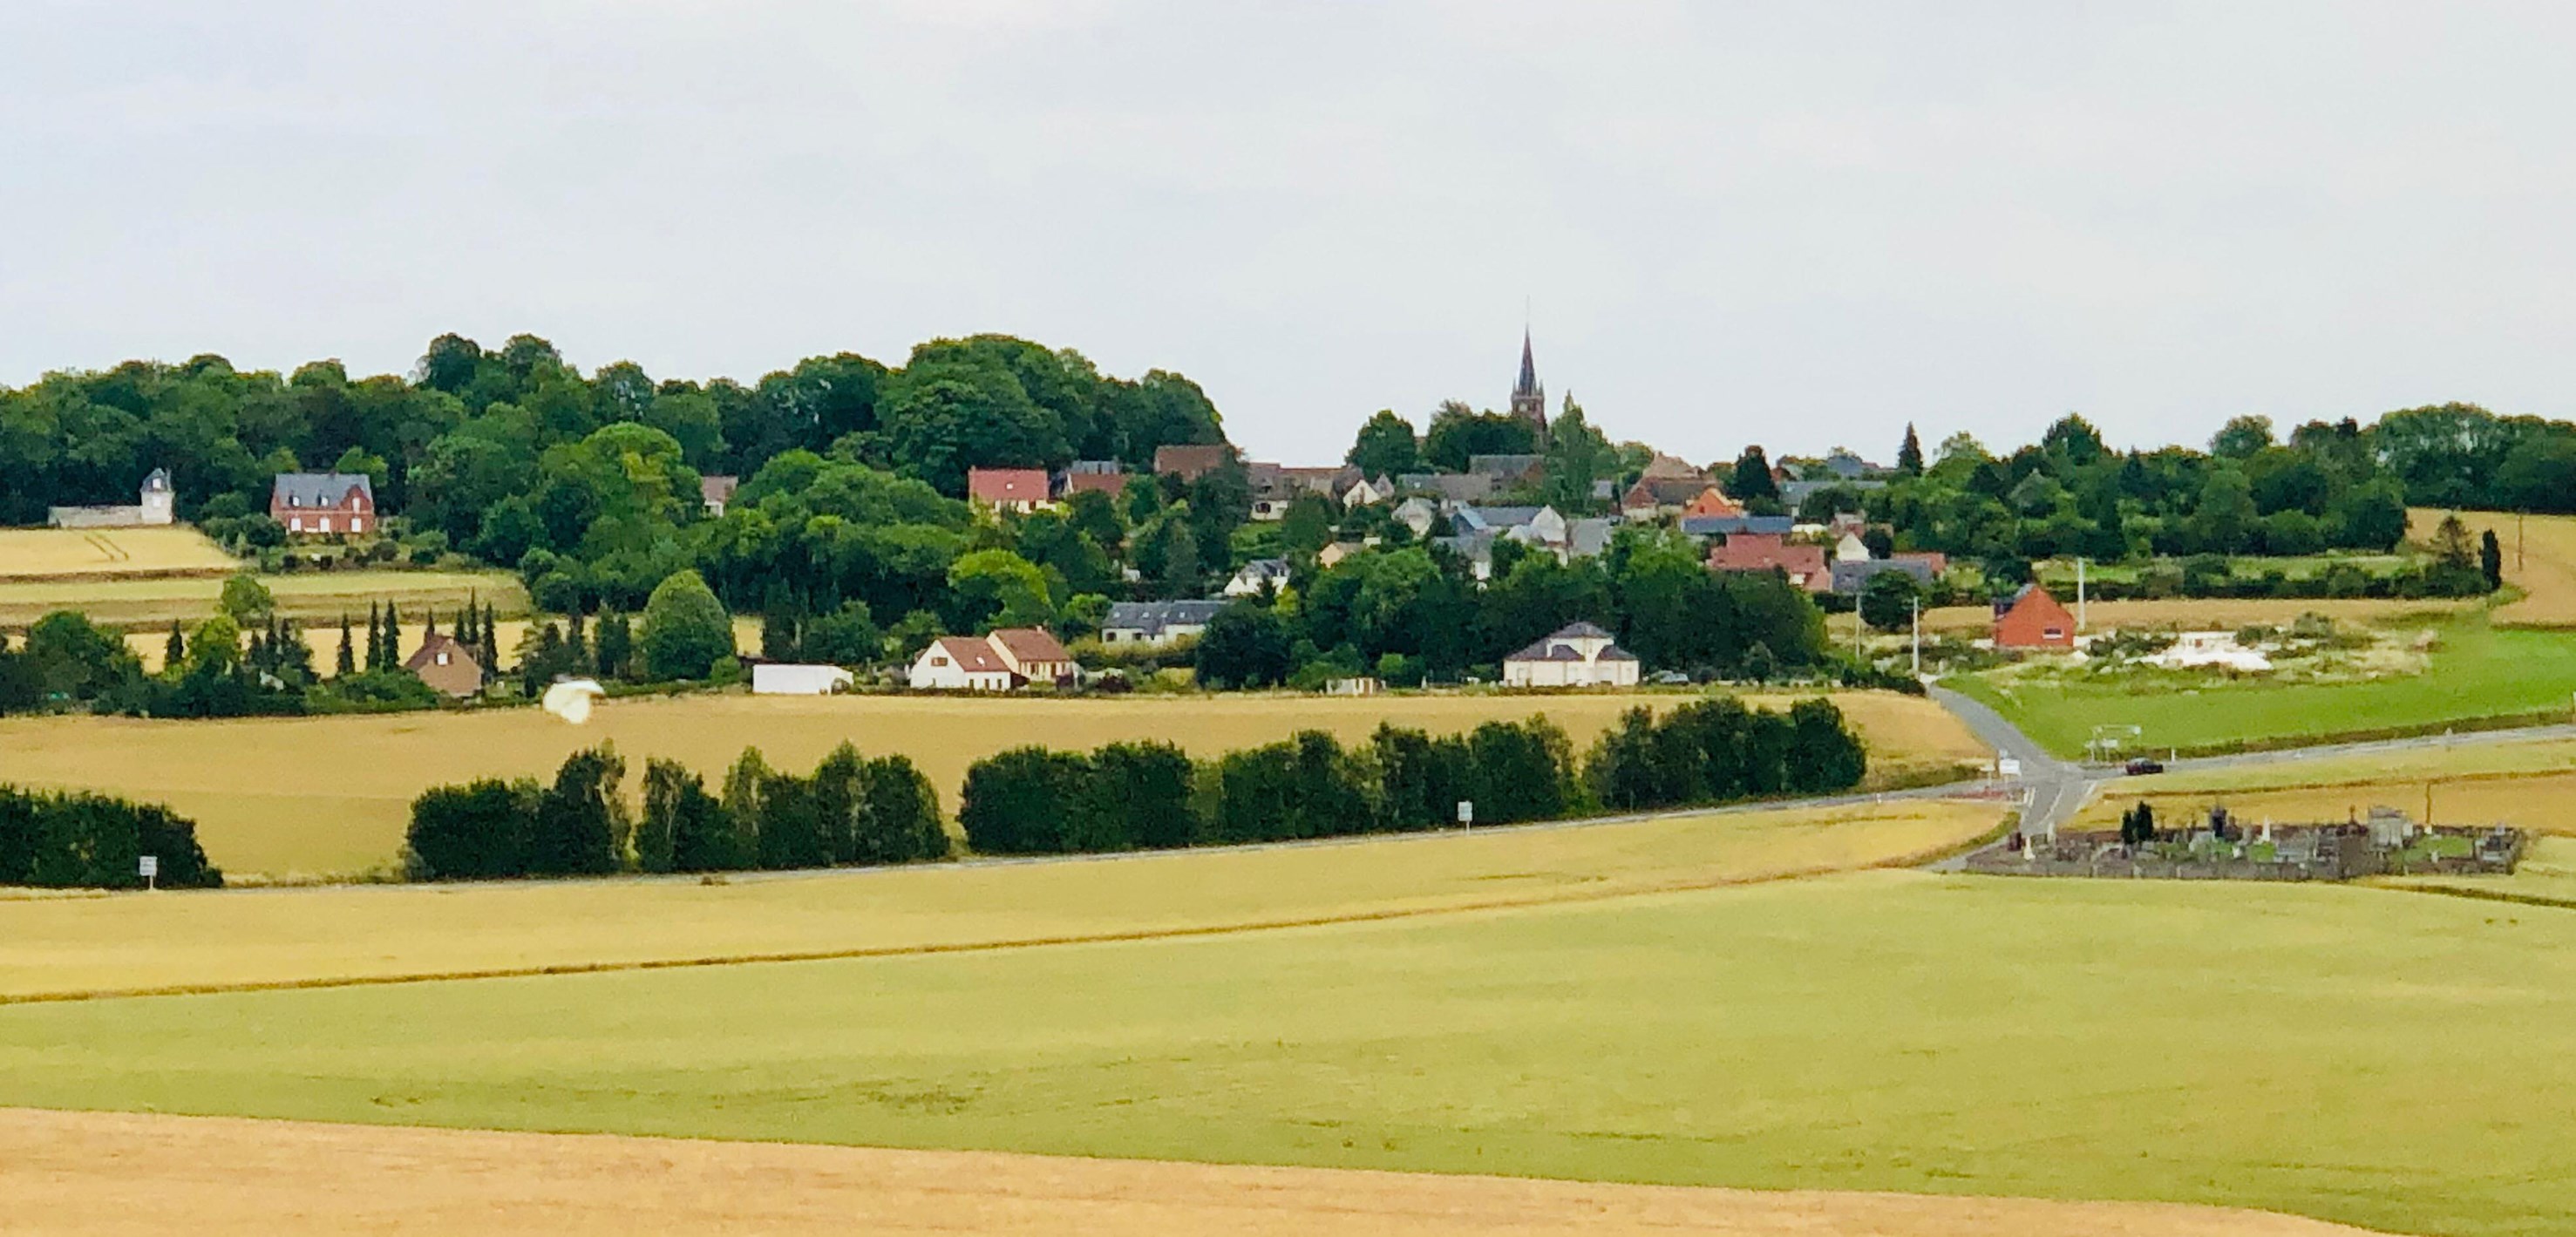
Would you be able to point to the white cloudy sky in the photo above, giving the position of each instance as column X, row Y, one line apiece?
column 1799, row 223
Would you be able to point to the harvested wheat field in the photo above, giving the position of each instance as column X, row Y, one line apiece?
column 2530, row 784
column 307, row 597
column 104, row 1173
column 2539, row 559
column 332, row 795
column 109, row 553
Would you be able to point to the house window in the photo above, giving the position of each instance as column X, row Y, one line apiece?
column 326, row 524
column 2053, row 633
column 442, row 659
column 939, row 661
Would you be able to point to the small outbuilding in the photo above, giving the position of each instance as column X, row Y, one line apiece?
column 782, row 679
column 453, row 668
column 2033, row 620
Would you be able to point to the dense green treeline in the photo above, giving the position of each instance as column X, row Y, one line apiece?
column 849, row 810
column 1131, row 796
column 95, row 841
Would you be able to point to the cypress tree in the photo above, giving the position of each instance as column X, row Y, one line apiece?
column 1909, row 456
column 347, row 661
column 174, row 651
column 375, row 636
column 393, row 640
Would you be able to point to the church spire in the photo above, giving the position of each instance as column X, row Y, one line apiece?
column 1529, row 399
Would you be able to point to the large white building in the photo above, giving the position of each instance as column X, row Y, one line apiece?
column 783, row 679
column 1576, row 655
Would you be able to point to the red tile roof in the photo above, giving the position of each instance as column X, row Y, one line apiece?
column 972, row 655
column 1030, row 644
column 1006, row 485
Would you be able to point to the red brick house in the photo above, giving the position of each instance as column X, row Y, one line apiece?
column 1009, row 489
column 2033, row 620
column 1804, row 564
column 315, row 504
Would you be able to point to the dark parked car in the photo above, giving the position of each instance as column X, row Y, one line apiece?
column 2146, row 764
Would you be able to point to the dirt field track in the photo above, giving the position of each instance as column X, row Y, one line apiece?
column 100, row 1173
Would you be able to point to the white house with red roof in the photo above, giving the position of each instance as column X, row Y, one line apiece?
column 1575, row 655
column 1010, row 489
column 1009, row 658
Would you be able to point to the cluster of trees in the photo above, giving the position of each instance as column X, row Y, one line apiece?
column 849, row 810
column 2070, row 494
column 94, row 841
column 1711, row 751
column 504, row 452
column 1574, row 456
column 1145, row 795
column 1413, row 613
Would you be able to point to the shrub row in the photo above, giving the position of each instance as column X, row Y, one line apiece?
column 92, row 841
column 1125, row 796
column 850, row 810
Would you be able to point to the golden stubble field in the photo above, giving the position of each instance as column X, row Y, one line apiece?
column 308, row 597
column 320, row 796
column 221, row 1177
column 2527, row 784
column 2539, row 559
column 108, row 553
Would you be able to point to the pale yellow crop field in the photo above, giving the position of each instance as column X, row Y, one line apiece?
column 313, row 597
column 2539, row 559
column 62, row 944
column 331, row 795
column 78, row 1172
column 2531, row 785
column 62, row 553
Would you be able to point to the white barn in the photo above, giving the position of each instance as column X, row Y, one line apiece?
column 778, row 679
column 1575, row 655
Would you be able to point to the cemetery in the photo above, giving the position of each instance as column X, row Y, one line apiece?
column 2386, row 842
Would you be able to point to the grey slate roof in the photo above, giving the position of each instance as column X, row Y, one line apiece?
column 1153, row 617
column 1470, row 519
column 319, row 489
column 1711, row 525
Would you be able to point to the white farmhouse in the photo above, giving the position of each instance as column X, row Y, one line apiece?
column 1576, row 655
column 778, row 679
column 1008, row 658
column 961, row 664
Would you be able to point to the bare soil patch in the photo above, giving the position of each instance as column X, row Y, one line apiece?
column 107, row 1173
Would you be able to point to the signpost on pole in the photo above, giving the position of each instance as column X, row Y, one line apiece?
column 149, row 868
column 1466, row 813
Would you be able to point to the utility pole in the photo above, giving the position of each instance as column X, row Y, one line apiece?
column 2079, row 593
column 1918, row 635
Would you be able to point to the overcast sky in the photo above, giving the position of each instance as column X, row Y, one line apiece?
column 1803, row 224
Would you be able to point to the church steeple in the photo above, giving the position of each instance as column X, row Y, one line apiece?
column 1529, row 399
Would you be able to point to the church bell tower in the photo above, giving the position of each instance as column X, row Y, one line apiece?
column 1529, row 399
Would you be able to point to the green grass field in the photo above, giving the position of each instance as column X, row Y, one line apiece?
column 2386, row 1059
column 331, row 795
column 2477, row 671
